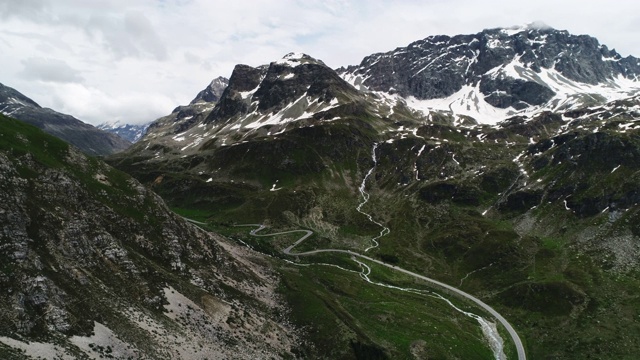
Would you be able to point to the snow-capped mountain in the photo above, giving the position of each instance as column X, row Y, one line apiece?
column 128, row 132
column 498, row 73
column 86, row 137
column 293, row 88
column 486, row 77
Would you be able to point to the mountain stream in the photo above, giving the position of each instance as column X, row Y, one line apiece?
column 488, row 328
column 365, row 199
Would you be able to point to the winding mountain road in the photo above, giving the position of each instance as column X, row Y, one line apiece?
column 307, row 233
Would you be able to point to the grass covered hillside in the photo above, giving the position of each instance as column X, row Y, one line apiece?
column 93, row 264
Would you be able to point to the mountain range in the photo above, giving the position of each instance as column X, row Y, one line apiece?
column 483, row 78
column 86, row 137
column 503, row 163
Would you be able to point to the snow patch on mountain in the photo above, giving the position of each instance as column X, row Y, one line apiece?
column 616, row 88
column 468, row 101
column 302, row 108
column 516, row 29
column 293, row 59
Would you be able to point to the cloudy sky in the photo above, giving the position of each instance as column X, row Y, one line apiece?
column 135, row 60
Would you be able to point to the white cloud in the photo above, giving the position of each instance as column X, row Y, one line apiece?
column 137, row 60
column 51, row 70
column 95, row 106
column 129, row 34
column 35, row 9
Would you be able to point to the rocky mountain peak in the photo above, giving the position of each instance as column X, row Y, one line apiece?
column 270, row 88
column 9, row 96
column 243, row 81
column 534, row 25
column 185, row 116
column 296, row 90
column 437, row 66
column 294, row 59
column 213, row 92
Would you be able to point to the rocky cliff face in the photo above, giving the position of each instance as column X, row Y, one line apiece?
column 185, row 117
column 439, row 66
column 284, row 89
column 89, row 139
column 94, row 264
column 213, row 92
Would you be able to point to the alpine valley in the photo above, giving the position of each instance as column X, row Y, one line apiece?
column 504, row 164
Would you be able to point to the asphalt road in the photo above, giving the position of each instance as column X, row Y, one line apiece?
column 512, row 332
